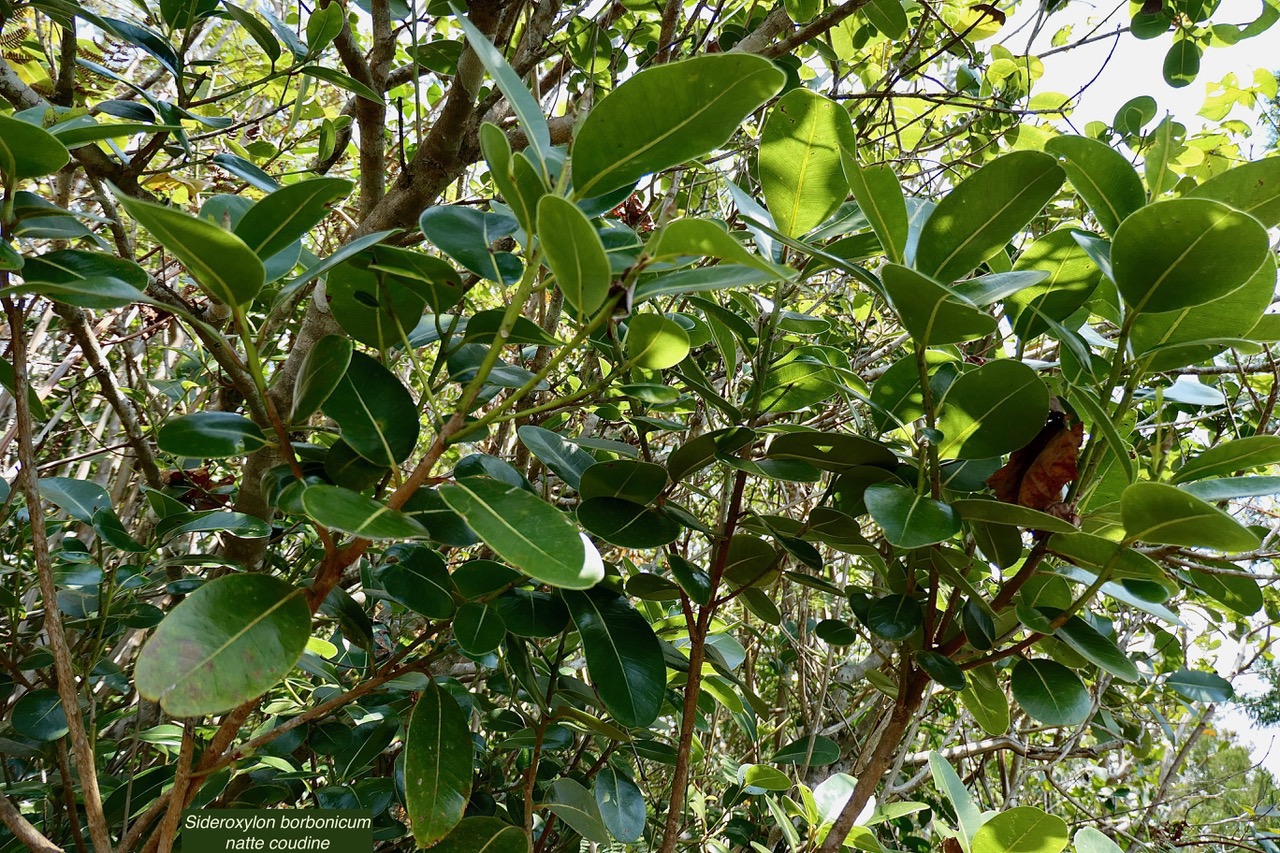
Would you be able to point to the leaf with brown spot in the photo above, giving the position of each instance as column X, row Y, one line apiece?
column 1035, row 474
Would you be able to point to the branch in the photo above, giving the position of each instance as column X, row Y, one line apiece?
column 30, row 837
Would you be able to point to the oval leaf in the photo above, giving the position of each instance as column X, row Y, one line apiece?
column 800, row 169
column 1024, row 829
column 623, row 655
column 210, row 435
column 437, row 765
column 575, row 254
column 1050, row 693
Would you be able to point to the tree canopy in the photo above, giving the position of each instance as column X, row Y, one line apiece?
column 632, row 425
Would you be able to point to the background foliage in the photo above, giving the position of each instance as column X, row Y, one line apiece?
column 665, row 426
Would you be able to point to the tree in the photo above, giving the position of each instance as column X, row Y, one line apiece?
column 661, row 425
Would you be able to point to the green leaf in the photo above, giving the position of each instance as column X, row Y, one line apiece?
column 1024, row 829
column 1252, row 188
column 887, row 16
column 228, row 642
column 258, row 31
column 639, row 482
column 575, row 254
column 801, row 174
column 977, row 218
column 1098, row 649
column 623, row 655
column 376, row 412
column 1182, row 62
column 323, row 26
column 968, row 816
column 1073, row 277
column 566, row 459
column 85, row 279
column 895, row 617
column 1050, row 693
column 910, row 520
column 824, row 751
column 1101, row 176
column 992, row 410
column 879, row 196
column 465, row 234
column 1200, row 686
column 342, row 81
column 701, row 279
column 984, row 698
column 1241, row 594
column 654, row 342
column 941, row 669
column 701, row 238
column 27, row 151
column 351, row 512
column 323, row 368
column 764, row 777
column 484, row 835
column 532, row 613
column 214, row 521
column 210, row 435
column 1229, row 488
column 621, row 804
column 246, row 171
column 627, row 525
column 220, row 261
column 1090, row 840
column 527, row 532
column 1256, row 451
column 931, row 313
column 39, row 715
column 666, row 115
column 997, row 512
column 79, row 499
column 415, row 576
column 348, row 251
column 1185, row 252
column 1160, row 514
column 575, row 805
column 478, row 628
column 831, row 451
column 277, row 220
column 438, row 769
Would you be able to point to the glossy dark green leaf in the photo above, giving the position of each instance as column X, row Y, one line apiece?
column 834, row 632
column 240, row 524
column 85, row 279
column 478, row 628
column 908, row 519
column 466, row 234
column 532, row 613
column 1200, row 686
column 941, row 669
column 220, row 261
column 415, row 576
column 1241, row 594
column 984, row 698
column 829, row 451
column 323, row 368
column 28, row 151
column 895, row 617
column 981, row 215
column 1022, row 829
column 666, row 115
column 639, row 482
column 79, row 499
column 1050, row 693
column 1160, row 514
column 992, row 410
column 623, row 655
column 930, row 312
column 527, row 532
column 376, row 412
column 1101, row 176
column 38, row 714
column 695, row 582
column 279, row 219
column 1185, row 252
column 257, row 30
column 824, row 751
column 438, row 769
column 1097, row 648
column 484, row 835
column 210, row 435
column 979, row 627
column 351, row 512
column 1182, row 62
column 621, row 804
column 226, row 643
column 575, row 254
column 998, row 512
column 343, row 81
column 801, row 174
column 627, row 524
column 566, row 459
